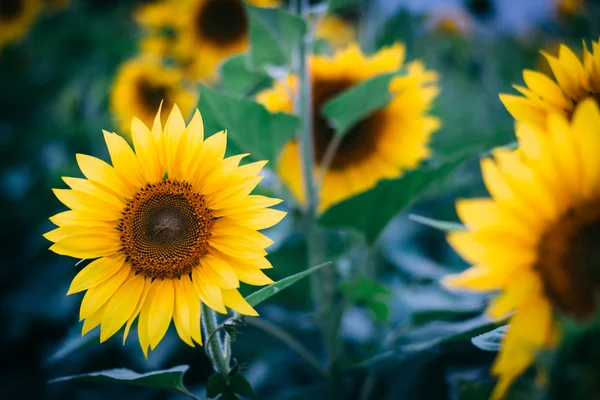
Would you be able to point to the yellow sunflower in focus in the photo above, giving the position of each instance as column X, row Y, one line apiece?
column 142, row 85
column 575, row 81
column 16, row 18
column 209, row 31
column 383, row 145
column 336, row 30
column 168, row 226
column 536, row 239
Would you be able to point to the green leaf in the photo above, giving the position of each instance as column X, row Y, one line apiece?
column 274, row 34
column 228, row 396
column 380, row 309
column 241, row 386
column 170, row 379
column 215, row 385
column 250, row 127
column 490, row 341
column 444, row 226
column 370, row 212
column 357, row 103
column 237, row 78
column 262, row 294
column 341, row 5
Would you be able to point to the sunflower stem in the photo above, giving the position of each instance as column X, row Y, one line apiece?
column 217, row 351
column 323, row 283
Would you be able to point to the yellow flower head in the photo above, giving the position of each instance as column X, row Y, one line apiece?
column 209, row 31
column 569, row 8
column 450, row 21
column 383, row 145
column 338, row 32
column 141, row 85
column 535, row 240
column 575, row 81
column 168, row 226
column 16, row 18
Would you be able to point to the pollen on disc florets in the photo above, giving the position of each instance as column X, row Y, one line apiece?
column 165, row 229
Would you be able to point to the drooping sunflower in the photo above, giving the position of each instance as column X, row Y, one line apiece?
column 141, row 85
column 209, row 31
column 16, row 18
column 383, row 145
column 168, row 226
column 575, row 81
column 535, row 239
column 336, row 30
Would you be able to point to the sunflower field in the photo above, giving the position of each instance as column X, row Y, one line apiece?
column 294, row 199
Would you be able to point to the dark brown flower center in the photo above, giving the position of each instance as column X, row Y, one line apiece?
column 222, row 22
column 10, row 9
column 357, row 144
column 165, row 229
column 569, row 260
column 151, row 95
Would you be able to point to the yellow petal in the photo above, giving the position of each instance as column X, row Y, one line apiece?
column 98, row 295
column 230, row 227
column 95, row 273
column 219, row 272
column 236, row 246
column 195, row 310
column 138, row 309
column 87, row 205
column 95, row 190
column 546, row 88
column 261, row 219
column 586, row 121
column 147, row 151
column 75, row 218
column 513, row 294
column 63, row 232
column 87, row 246
column 121, row 306
column 528, row 331
column 181, row 312
column 93, row 320
column 252, row 276
column 234, row 300
column 124, row 159
column 210, row 294
column 161, row 312
column 143, row 336
column 100, row 172
column 479, row 278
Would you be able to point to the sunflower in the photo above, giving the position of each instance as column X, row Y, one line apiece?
column 169, row 226
column 575, row 81
column 16, row 18
column 209, row 31
column 142, row 85
column 383, row 145
column 535, row 240
column 566, row 9
column 336, row 30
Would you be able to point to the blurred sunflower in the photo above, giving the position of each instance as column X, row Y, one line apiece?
column 569, row 8
column 56, row 5
column 141, row 85
column 383, row 145
column 209, row 31
column 157, row 13
column 336, row 30
column 16, row 18
column 450, row 21
column 536, row 239
column 169, row 226
column 574, row 82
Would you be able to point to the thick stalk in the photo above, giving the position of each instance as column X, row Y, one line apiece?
column 323, row 283
column 215, row 350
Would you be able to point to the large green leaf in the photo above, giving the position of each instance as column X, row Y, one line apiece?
column 370, row 212
column 263, row 294
column 357, row 103
column 251, row 128
column 274, row 34
column 237, row 78
column 170, row 379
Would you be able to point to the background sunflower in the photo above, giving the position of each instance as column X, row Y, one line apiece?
column 383, row 145
column 16, row 18
column 402, row 334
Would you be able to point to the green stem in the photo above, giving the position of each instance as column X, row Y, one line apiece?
column 323, row 283
column 289, row 340
column 215, row 350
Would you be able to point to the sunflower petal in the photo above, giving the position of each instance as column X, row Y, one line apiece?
column 95, row 273
column 121, row 306
column 161, row 312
